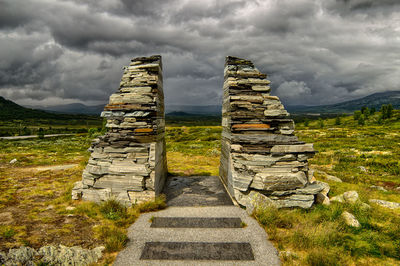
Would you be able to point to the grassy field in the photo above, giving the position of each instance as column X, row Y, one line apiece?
column 36, row 208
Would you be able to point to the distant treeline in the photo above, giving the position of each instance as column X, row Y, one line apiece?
column 192, row 120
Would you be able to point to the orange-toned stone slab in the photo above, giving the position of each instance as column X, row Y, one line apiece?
column 250, row 126
column 143, row 130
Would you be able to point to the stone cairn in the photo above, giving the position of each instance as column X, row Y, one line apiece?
column 260, row 155
column 128, row 163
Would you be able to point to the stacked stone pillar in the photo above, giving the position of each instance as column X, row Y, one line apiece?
column 128, row 163
column 260, row 153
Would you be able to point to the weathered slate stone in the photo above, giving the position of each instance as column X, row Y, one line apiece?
column 293, row 148
column 259, row 149
column 130, row 157
column 279, row 181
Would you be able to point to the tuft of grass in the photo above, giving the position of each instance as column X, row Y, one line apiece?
column 115, row 239
column 7, row 232
column 158, row 204
column 320, row 257
column 113, row 210
column 243, row 224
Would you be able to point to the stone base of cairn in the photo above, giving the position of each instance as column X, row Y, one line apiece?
column 128, row 163
column 261, row 156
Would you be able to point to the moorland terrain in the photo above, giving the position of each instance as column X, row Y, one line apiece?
column 363, row 150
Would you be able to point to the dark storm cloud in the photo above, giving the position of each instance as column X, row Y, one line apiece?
column 315, row 51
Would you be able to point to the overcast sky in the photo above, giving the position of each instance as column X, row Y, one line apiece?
column 314, row 51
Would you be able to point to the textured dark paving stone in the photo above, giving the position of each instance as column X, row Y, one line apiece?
column 196, row 191
column 196, row 222
column 196, row 251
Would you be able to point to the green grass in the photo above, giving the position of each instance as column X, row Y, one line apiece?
column 319, row 236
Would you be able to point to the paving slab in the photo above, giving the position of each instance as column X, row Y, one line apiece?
column 141, row 233
column 196, row 222
column 196, row 191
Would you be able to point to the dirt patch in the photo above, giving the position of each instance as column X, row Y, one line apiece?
column 6, row 218
column 54, row 167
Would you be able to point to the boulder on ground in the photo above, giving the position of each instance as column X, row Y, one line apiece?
column 257, row 200
column 385, row 204
column 350, row 220
column 333, row 178
column 350, row 196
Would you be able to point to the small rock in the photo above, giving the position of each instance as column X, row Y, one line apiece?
column 338, row 198
column 322, row 199
column 386, row 204
column 350, row 220
column 50, row 207
column 362, row 169
column 325, row 186
column 70, row 208
column 365, row 205
column 398, row 189
column 22, row 255
column 378, row 188
column 255, row 200
column 350, row 196
column 3, row 258
column 63, row 255
column 333, row 178
column 13, row 161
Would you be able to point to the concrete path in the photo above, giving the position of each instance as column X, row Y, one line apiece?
column 218, row 234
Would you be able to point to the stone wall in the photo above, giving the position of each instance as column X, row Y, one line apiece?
column 260, row 152
column 128, row 163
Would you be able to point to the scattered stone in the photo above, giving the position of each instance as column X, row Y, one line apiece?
column 50, row 207
column 326, row 187
column 338, row 198
column 13, row 161
column 51, row 255
column 22, row 255
column 63, row 255
column 128, row 163
column 70, row 208
column 398, row 189
column 362, row 169
column 3, row 258
column 386, row 204
column 350, row 220
column 365, row 205
column 379, row 188
column 259, row 149
column 322, row 199
column 257, row 200
column 350, row 196
column 333, row 178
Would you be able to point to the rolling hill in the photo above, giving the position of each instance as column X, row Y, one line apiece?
column 374, row 100
column 12, row 111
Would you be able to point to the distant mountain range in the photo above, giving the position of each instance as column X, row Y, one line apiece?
column 72, row 108
column 12, row 111
column 373, row 100
column 194, row 109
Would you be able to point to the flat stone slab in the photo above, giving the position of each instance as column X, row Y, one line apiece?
column 141, row 233
column 196, row 191
column 196, row 251
column 196, row 222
